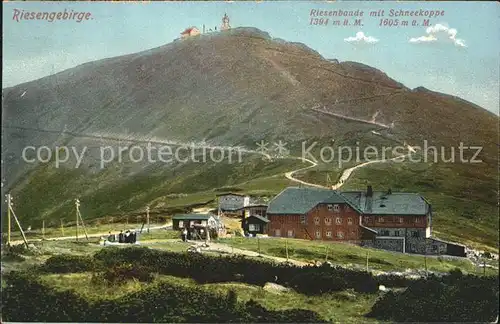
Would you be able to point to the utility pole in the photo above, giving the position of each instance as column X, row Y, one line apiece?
column 286, row 248
column 147, row 217
column 11, row 212
column 9, row 203
column 425, row 261
column 77, row 204
column 79, row 216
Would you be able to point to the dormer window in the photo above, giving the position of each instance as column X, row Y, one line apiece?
column 330, row 207
column 336, row 208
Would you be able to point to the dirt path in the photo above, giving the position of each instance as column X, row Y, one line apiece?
column 225, row 249
column 289, row 175
column 345, row 174
column 62, row 238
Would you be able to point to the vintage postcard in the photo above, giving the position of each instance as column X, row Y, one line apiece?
column 250, row 161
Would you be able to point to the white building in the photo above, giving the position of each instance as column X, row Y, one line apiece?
column 232, row 202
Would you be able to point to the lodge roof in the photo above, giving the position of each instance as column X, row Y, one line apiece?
column 263, row 219
column 192, row 216
column 298, row 201
column 252, row 206
column 295, row 200
column 230, row 194
column 384, row 203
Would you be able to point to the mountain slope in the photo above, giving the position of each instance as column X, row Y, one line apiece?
column 228, row 88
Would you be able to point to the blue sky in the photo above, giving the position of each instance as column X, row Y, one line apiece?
column 33, row 49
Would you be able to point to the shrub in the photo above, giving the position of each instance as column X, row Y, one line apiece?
column 124, row 272
column 453, row 298
column 67, row 263
column 206, row 269
column 26, row 299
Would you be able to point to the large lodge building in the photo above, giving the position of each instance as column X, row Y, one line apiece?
column 387, row 220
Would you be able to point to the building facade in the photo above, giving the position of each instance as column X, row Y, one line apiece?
column 255, row 224
column 399, row 222
column 232, row 202
column 188, row 32
column 182, row 221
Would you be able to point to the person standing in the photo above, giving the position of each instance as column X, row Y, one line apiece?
column 184, row 235
column 120, row 237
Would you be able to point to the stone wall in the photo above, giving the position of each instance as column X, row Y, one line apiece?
column 415, row 243
column 436, row 247
column 390, row 244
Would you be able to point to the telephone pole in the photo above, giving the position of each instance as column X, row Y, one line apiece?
column 147, row 217
column 9, row 204
column 77, row 204
column 10, row 212
column 79, row 216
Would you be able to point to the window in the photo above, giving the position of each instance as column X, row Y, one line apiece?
column 254, row 227
column 277, row 233
column 340, row 235
column 401, row 220
column 434, row 247
column 396, row 233
column 381, row 219
column 415, row 234
column 336, row 208
column 290, row 233
column 412, row 247
column 338, row 220
column 385, row 233
column 328, row 221
column 349, row 221
column 328, row 233
column 417, row 220
column 368, row 219
column 181, row 223
column 318, row 234
column 316, row 220
column 330, row 207
column 302, row 219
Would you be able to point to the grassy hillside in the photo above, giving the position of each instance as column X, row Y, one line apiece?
column 237, row 88
column 49, row 193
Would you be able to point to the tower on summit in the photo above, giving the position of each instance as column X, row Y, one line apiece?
column 225, row 23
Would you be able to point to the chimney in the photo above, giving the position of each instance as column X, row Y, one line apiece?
column 369, row 191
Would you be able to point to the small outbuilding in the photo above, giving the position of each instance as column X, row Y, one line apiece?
column 181, row 221
column 255, row 224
